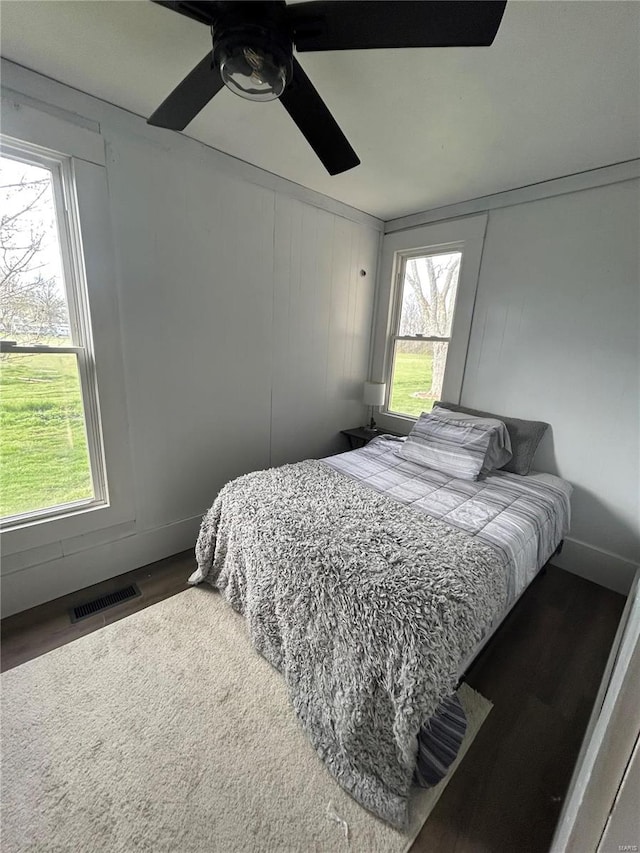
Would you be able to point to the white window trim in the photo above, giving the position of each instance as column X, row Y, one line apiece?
column 69, row 240
column 82, row 150
column 465, row 235
column 400, row 266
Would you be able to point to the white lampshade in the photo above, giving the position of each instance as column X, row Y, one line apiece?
column 374, row 393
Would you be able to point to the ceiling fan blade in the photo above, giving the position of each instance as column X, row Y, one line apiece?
column 189, row 97
column 305, row 106
column 360, row 24
column 203, row 11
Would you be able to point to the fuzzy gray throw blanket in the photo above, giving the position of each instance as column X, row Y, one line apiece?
column 366, row 607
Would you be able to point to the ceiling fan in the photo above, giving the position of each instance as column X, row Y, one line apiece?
column 253, row 46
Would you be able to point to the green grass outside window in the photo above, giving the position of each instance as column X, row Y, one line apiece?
column 44, row 458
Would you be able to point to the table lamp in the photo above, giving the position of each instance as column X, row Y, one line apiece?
column 374, row 398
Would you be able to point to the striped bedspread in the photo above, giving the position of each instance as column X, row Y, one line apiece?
column 524, row 518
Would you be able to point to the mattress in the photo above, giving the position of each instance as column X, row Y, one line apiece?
column 524, row 518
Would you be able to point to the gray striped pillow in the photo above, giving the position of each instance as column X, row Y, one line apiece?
column 499, row 450
column 455, row 447
column 525, row 436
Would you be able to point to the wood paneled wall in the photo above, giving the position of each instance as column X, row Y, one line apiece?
column 322, row 321
column 245, row 329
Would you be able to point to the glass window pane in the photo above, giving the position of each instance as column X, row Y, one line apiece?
column 418, row 371
column 33, row 304
column 44, row 460
column 429, row 291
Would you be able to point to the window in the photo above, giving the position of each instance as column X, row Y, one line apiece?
column 51, row 452
column 426, row 293
column 91, row 419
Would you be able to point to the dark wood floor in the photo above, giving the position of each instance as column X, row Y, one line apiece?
column 541, row 670
column 34, row 632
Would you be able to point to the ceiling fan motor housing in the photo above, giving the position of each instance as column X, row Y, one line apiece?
column 253, row 50
column 254, row 61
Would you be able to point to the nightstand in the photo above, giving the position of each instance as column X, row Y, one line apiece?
column 359, row 436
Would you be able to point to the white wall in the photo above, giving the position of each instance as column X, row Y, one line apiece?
column 323, row 314
column 555, row 337
column 245, row 329
column 237, row 304
column 624, row 820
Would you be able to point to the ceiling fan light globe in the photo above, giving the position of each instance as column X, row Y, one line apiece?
column 253, row 74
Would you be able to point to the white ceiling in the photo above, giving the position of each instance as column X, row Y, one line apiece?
column 557, row 93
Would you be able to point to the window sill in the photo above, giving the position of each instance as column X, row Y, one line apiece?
column 23, row 520
column 81, row 523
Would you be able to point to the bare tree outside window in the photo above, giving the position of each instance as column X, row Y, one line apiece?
column 421, row 343
column 32, row 300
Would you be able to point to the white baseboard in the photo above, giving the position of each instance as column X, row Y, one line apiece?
column 596, row 565
column 36, row 584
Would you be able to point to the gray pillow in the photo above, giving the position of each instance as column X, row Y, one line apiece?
column 499, row 449
column 525, row 436
column 455, row 447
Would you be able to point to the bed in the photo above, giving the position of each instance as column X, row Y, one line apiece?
column 371, row 581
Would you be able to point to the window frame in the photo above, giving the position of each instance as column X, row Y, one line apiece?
column 81, row 146
column 75, row 288
column 465, row 235
column 396, row 318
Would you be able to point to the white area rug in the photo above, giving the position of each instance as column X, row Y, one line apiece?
column 167, row 731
